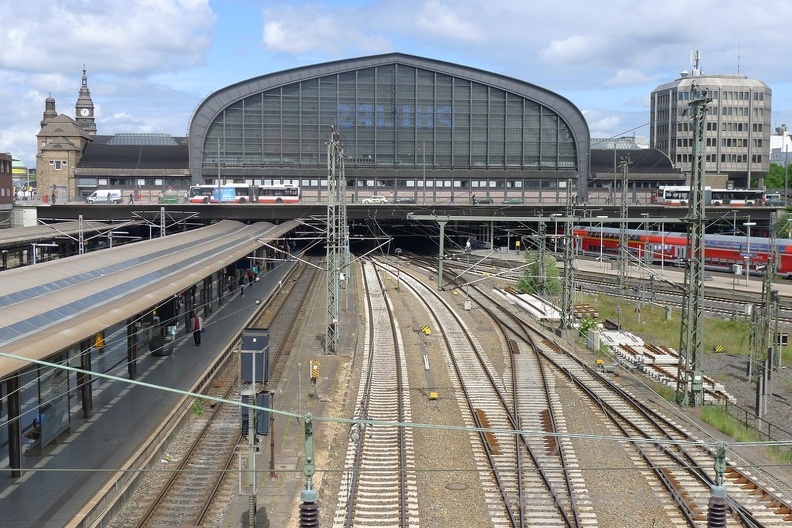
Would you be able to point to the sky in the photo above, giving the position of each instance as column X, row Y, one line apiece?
column 150, row 63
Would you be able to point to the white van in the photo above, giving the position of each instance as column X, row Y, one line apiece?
column 105, row 196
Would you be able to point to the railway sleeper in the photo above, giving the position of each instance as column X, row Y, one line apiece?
column 490, row 438
column 697, row 513
column 551, row 444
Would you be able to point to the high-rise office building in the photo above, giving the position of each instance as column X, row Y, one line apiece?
column 737, row 126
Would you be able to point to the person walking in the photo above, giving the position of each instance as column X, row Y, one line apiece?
column 241, row 285
column 197, row 323
column 131, row 198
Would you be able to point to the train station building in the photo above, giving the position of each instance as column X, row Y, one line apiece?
column 411, row 127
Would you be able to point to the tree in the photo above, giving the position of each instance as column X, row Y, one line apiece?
column 530, row 282
column 775, row 177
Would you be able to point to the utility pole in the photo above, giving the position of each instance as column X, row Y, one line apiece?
column 568, row 295
column 541, row 267
column 624, row 253
column 765, row 342
column 690, row 389
column 336, row 240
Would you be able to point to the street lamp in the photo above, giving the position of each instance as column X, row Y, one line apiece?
column 34, row 246
column 786, row 159
column 555, row 231
column 645, row 224
column 748, row 251
column 602, row 228
column 423, row 150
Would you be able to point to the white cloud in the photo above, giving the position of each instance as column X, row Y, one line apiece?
column 134, row 36
column 629, row 77
column 450, row 21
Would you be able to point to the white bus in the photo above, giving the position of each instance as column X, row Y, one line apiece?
column 244, row 193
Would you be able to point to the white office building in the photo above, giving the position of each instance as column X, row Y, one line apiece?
column 737, row 126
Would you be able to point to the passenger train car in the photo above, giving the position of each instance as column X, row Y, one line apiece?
column 721, row 252
column 679, row 195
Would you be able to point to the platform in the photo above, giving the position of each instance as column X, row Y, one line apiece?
column 57, row 482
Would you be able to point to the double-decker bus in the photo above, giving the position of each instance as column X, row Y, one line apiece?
column 679, row 195
column 244, row 193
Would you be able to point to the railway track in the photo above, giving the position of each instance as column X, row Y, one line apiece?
column 717, row 302
column 204, row 482
column 189, row 491
column 676, row 464
column 518, row 493
column 379, row 483
column 673, row 461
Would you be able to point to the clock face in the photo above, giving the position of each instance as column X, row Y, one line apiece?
column 84, row 112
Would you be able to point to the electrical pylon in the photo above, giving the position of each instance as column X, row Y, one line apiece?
column 690, row 389
column 337, row 240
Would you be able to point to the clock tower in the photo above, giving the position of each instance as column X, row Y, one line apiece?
column 84, row 110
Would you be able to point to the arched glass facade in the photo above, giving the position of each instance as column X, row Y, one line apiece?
column 406, row 124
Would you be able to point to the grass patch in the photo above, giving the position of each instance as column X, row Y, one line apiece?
column 782, row 454
column 651, row 325
column 664, row 391
column 716, row 416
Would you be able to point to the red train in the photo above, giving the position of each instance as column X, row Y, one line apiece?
column 721, row 252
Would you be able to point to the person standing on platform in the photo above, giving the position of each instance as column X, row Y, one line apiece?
column 241, row 285
column 197, row 323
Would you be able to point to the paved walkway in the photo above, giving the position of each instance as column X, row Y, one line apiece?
column 68, row 473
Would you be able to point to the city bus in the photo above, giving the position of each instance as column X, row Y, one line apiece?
column 679, row 196
column 676, row 195
column 243, row 193
column 738, row 197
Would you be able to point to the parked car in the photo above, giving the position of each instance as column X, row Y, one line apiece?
column 484, row 201
column 513, row 201
column 405, row 200
column 376, row 199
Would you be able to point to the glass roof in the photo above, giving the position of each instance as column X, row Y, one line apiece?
column 143, row 139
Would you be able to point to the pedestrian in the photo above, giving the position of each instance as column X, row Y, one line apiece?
column 230, row 284
column 242, row 286
column 250, row 276
column 54, row 196
column 131, row 198
column 186, row 197
column 197, row 324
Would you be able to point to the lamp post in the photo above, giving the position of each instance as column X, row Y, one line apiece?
column 748, row 251
column 645, row 224
column 662, row 243
column 786, row 159
column 786, row 168
column 423, row 151
column 602, row 228
column 555, row 231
